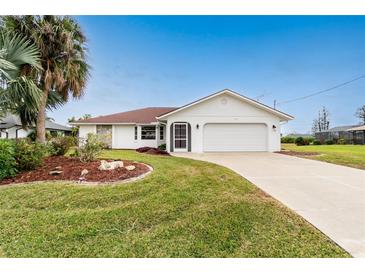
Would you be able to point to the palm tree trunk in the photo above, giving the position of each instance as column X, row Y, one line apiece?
column 41, row 119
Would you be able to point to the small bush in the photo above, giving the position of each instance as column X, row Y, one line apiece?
column 32, row 136
column 300, row 141
column 162, row 147
column 89, row 149
column 288, row 140
column 60, row 145
column 341, row 141
column 317, row 142
column 7, row 159
column 329, row 142
column 29, row 156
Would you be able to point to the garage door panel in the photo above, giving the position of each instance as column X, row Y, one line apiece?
column 235, row 137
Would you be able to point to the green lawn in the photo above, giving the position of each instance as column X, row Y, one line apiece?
column 347, row 155
column 185, row 208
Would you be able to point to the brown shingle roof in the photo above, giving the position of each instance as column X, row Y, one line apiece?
column 143, row 115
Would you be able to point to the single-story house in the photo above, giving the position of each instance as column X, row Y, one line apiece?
column 342, row 132
column 358, row 131
column 223, row 121
column 11, row 128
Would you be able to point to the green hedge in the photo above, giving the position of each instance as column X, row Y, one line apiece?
column 29, row 155
column 288, row 140
column 7, row 159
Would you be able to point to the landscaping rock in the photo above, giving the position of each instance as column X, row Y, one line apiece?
column 58, row 168
column 130, row 168
column 55, row 172
column 84, row 172
column 104, row 165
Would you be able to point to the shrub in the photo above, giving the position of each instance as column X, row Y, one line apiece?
column 309, row 139
column 60, row 145
column 28, row 156
column 7, row 159
column 89, row 149
column 317, row 142
column 162, row 147
column 329, row 142
column 341, row 141
column 32, row 135
column 288, row 140
column 300, row 141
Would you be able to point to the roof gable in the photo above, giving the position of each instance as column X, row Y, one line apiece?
column 238, row 96
column 143, row 115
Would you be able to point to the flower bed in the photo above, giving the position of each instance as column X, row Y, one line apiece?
column 152, row 151
column 71, row 169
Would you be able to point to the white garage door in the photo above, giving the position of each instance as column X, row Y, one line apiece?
column 235, row 137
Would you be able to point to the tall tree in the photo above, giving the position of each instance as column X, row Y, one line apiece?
column 18, row 92
column 360, row 113
column 321, row 123
column 62, row 47
column 83, row 117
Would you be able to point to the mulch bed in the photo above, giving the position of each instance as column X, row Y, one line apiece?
column 152, row 151
column 297, row 153
column 71, row 171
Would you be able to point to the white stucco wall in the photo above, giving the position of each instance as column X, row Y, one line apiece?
column 84, row 130
column 12, row 133
column 224, row 109
column 123, row 136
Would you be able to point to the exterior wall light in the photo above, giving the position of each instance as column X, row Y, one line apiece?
column 274, row 127
column 197, row 126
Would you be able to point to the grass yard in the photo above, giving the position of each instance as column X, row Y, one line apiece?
column 185, row 208
column 347, row 155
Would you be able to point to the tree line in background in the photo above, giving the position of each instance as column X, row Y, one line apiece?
column 322, row 122
column 360, row 113
column 42, row 64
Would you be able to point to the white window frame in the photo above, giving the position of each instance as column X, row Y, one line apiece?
column 135, row 133
column 150, row 131
column 186, row 138
column 162, row 128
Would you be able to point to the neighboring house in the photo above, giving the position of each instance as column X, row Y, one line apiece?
column 342, row 132
column 357, row 133
column 11, row 128
column 223, row 121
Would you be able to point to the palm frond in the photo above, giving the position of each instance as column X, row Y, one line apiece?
column 22, row 97
column 17, row 51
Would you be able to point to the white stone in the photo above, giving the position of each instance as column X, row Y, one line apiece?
column 84, row 172
column 55, row 172
column 104, row 165
column 130, row 168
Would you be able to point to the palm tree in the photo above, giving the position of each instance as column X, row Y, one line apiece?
column 62, row 47
column 18, row 92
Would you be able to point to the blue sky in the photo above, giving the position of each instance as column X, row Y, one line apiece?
column 141, row 61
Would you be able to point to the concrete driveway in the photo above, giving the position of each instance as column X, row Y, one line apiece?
column 331, row 197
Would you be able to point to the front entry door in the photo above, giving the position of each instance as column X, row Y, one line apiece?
column 180, row 137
